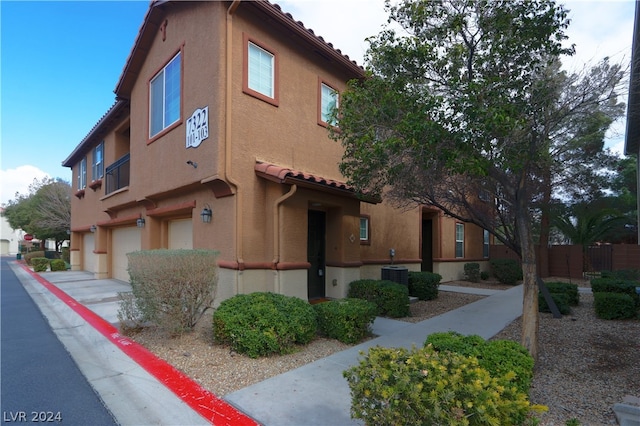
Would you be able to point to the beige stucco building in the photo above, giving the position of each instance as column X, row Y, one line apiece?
column 218, row 139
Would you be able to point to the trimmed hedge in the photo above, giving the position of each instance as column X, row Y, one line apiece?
column 507, row 271
column 28, row 256
column 392, row 299
column 397, row 386
column 571, row 290
column 40, row 264
column 561, row 300
column 424, row 285
column 623, row 274
column 260, row 324
column 501, row 358
column 347, row 320
column 472, row 272
column 612, row 285
column 613, row 306
column 58, row 265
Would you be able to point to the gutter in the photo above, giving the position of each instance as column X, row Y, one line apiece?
column 228, row 139
column 276, row 227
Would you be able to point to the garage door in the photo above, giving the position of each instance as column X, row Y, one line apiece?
column 88, row 257
column 4, row 247
column 123, row 241
column 181, row 234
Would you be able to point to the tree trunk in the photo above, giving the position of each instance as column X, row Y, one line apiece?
column 530, row 318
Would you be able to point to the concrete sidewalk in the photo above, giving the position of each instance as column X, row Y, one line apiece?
column 315, row 394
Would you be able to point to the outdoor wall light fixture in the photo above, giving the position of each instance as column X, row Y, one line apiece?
column 192, row 163
column 206, row 214
column 140, row 222
column 93, row 228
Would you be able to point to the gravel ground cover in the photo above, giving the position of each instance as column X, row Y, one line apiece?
column 584, row 367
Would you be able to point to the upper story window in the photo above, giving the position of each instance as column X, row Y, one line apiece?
column 261, row 71
column 365, row 235
column 82, row 174
column 97, row 168
column 164, row 97
column 328, row 103
column 485, row 243
column 459, row 240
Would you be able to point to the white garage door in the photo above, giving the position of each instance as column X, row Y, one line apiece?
column 123, row 241
column 88, row 257
column 181, row 234
column 4, row 247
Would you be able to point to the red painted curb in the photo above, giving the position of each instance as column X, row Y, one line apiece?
column 209, row 406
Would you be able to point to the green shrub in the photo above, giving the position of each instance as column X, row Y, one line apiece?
column 58, row 265
column 40, row 264
column 347, row 320
column 260, row 324
column 561, row 300
column 571, row 290
column 424, row 285
column 472, row 272
column 614, row 306
column 484, row 275
column 396, row 386
column 66, row 254
column 501, row 358
column 171, row 288
column 623, row 274
column 392, row 299
column 613, row 285
column 27, row 257
column 507, row 271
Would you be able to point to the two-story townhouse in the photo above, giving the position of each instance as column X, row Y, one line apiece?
column 218, row 139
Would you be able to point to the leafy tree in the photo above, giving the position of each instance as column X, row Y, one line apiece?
column 44, row 212
column 460, row 105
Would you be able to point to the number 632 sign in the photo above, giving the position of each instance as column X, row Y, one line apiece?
column 197, row 127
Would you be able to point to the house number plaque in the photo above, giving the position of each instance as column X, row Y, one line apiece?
column 197, row 127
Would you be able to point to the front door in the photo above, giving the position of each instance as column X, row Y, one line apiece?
column 427, row 245
column 316, row 254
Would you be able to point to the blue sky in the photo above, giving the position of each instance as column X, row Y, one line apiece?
column 60, row 62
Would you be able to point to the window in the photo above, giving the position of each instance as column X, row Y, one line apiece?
column 459, row 240
column 97, row 168
column 164, row 97
column 328, row 102
column 261, row 71
column 364, row 230
column 82, row 174
column 485, row 244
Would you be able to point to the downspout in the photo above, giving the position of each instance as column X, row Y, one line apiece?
column 276, row 228
column 228, row 132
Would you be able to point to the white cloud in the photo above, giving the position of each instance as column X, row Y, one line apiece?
column 18, row 180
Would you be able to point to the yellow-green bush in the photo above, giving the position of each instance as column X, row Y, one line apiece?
column 347, row 320
column 396, row 386
column 171, row 288
column 27, row 257
column 58, row 265
column 40, row 264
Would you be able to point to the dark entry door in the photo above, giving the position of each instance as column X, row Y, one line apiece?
column 427, row 245
column 316, row 254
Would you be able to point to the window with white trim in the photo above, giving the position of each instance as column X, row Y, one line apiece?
column 261, row 70
column 97, row 167
column 459, row 240
column 328, row 103
column 164, row 97
column 364, row 229
column 485, row 243
column 82, row 174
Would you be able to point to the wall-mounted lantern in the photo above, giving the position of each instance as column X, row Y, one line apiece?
column 93, row 228
column 140, row 222
column 206, row 214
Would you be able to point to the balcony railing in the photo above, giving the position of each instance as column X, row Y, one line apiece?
column 117, row 174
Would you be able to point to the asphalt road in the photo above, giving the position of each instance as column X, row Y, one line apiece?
column 40, row 381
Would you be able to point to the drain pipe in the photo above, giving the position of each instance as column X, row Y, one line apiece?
column 276, row 229
column 228, row 140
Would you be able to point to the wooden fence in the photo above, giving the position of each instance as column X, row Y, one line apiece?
column 571, row 262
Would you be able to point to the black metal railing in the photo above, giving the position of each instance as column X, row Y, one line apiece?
column 117, row 174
